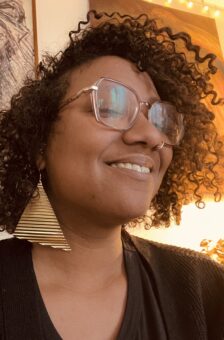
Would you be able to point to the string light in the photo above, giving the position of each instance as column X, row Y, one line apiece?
column 205, row 9
column 190, row 4
column 217, row 13
column 203, row 5
column 168, row 2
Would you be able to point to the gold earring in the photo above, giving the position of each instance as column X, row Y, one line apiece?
column 39, row 224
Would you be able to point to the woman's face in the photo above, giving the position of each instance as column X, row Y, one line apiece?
column 80, row 151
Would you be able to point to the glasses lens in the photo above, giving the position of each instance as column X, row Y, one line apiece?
column 166, row 119
column 117, row 106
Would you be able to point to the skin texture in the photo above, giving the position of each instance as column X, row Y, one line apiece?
column 106, row 195
column 90, row 283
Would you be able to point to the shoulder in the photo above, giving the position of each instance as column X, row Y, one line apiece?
column 13, row 247
column 176, row 257
column 188, row 282
column 15, row 260
column 181, row 267
column 196, row 274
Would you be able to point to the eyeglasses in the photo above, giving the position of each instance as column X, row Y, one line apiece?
column 117, row 106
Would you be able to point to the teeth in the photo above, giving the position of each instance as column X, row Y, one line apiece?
column 135, row 167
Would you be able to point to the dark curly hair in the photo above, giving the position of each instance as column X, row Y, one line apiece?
column 25, row 127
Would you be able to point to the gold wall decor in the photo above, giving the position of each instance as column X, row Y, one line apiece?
column 215, row 250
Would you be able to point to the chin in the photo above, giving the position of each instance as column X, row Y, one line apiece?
column 132, row 212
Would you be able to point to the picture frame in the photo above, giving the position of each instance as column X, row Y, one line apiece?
column 18, row 46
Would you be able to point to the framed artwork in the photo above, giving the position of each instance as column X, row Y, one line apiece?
column 18, row 46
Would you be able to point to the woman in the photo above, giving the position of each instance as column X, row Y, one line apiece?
column 101, row 134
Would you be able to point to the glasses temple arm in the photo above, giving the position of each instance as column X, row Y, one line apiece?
column 78, row 94
column 162, row 145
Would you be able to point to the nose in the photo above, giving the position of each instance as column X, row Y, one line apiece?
column 143, row 132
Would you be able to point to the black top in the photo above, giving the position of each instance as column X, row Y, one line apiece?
column 180, row 287
column 142, row 319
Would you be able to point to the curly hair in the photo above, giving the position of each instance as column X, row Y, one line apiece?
column 25, row 127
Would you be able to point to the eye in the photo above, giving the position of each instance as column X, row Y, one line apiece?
column 109, row 113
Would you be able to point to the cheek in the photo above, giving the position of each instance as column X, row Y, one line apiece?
column 74, row 155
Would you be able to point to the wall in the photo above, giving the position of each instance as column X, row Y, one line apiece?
column 220, row 29
column 196, row 9
column 55, row 19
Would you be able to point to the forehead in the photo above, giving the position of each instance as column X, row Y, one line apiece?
column 112, row 67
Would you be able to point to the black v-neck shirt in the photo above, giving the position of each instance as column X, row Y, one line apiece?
column 180, row 286
column 142, row 318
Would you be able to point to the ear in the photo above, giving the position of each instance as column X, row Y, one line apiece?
column 40, row 161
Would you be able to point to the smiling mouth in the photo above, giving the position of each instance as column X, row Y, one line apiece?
column 132, row 166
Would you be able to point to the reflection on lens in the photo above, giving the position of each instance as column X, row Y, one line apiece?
column 117, row 105
column 167, row 120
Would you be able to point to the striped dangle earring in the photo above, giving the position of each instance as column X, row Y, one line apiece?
column 38, row 223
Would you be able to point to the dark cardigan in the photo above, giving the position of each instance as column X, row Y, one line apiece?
column 189, row 287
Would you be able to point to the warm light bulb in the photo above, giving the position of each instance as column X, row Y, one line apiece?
column 168, row 2
column 217, row 13
column 205, row 8
column 190, row 4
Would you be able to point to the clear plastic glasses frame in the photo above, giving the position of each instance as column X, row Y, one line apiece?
column 152, row 114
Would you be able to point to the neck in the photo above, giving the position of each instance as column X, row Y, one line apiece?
column 95, row 261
